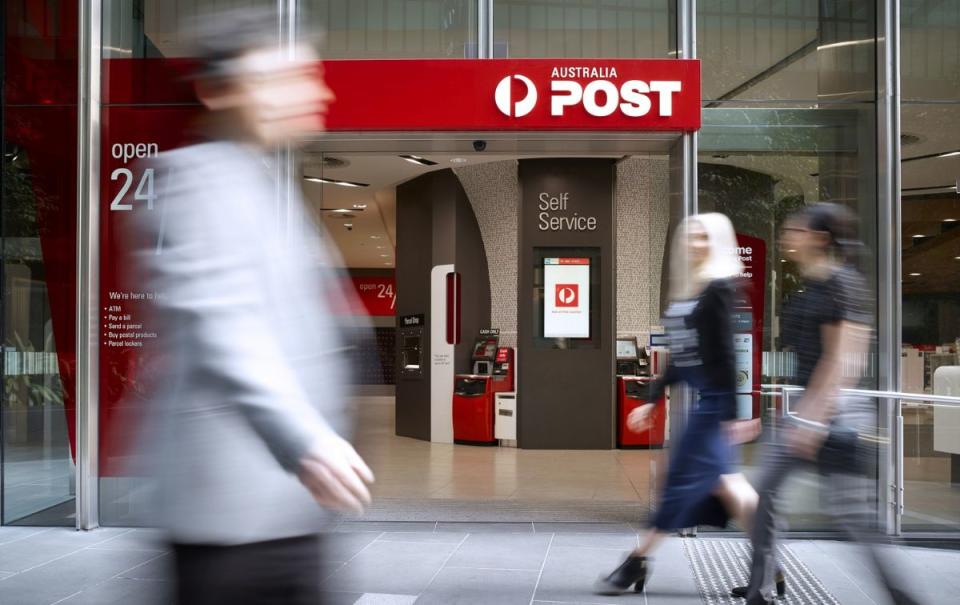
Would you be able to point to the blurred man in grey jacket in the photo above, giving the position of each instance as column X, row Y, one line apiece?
column 251, row 406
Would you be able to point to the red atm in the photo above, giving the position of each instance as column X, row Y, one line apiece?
column 474, row 395
column 631, row 394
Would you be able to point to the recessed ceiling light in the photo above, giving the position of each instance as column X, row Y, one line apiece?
column 374, row 237
column 919, row 235
column 791, row 250
column 388, row 264
column 415, row 159
column 325, row 181
column 384, row 256
column 783, row 260
column 360, row 206
column 458, row 160
column 348, row 225
column 949, row 220
column 381, row 247
column 956, row 258
column 916, row 274
column 949, row 154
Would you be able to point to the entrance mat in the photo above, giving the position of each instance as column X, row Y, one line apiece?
column 719, row 565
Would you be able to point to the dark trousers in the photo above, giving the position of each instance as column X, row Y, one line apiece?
column 279, row 571
column 850, row 503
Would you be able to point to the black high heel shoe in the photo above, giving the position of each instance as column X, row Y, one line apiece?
column 632, row 572
column 741, row 591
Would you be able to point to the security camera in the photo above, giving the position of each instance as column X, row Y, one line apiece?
column 479, row 145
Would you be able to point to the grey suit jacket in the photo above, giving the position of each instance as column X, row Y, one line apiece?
column 254, row 369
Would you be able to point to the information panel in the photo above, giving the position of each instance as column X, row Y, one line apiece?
column 566, row 298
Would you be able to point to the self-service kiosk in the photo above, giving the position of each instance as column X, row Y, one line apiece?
column 504, row 370
column 410, row 339
column 474, row 395
column 632, row 387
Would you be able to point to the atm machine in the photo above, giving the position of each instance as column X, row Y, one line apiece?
column 633, row 383
column 474, row 395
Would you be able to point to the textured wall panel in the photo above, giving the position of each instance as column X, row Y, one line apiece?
column 494, row 193
column 643, row 216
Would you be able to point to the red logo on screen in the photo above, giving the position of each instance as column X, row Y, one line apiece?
column 568, row 295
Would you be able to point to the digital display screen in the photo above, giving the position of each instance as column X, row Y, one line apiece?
column 626, row 348
column 566, row 297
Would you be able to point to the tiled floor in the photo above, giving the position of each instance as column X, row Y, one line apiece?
column 430, row 563
column 422, row 481
column 410, row 468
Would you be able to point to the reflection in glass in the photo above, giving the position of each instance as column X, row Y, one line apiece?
column 578, row 28
column 393, row 29
column 159, row 28
column 930, row 285
column 38, row 467
column 801, row 49
column 38, row 250
column 759, row 165
column 929, row 50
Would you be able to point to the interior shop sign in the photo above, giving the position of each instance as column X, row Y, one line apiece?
column 554, row 214
column 515, row 94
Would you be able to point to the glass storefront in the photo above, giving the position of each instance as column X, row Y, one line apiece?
column 758, row 166
column 790, row 117
column 787, row 51
column 574, row 28
column 391, row 29
column 38, row 252
column 930, row 257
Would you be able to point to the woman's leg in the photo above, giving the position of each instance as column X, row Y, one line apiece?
column 648, row 541
column 633, row 571
column 739, row 498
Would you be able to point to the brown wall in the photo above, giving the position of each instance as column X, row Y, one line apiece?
column 414, row 259
column 436, row 226
column 566, row 397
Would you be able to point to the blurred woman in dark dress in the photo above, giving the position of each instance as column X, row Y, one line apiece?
column 702, row 487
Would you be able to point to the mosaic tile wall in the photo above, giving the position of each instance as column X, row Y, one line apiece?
column 642, row 195
column 494, row 193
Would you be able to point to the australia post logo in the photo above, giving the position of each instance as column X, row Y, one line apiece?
column 597, row 89
column 567, row 295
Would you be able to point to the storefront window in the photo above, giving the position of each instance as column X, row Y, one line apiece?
column 929, row 50
column 148, row 107
column 392, row 29
column 930, row 156
column 787, row 50
column 39, row 120
column 759, row 165
column 577, row 28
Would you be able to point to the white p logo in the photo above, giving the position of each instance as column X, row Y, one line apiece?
column 505, row 103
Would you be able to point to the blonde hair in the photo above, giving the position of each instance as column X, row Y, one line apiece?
column 722, row 262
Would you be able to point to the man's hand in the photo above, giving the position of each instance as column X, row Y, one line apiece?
column 336, row 475
column 805, row 442
column 742, row 431
column 639, row 419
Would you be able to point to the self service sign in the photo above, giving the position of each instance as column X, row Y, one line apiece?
column 515, row 94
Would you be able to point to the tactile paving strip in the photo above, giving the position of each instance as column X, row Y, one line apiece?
column 719, row 565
